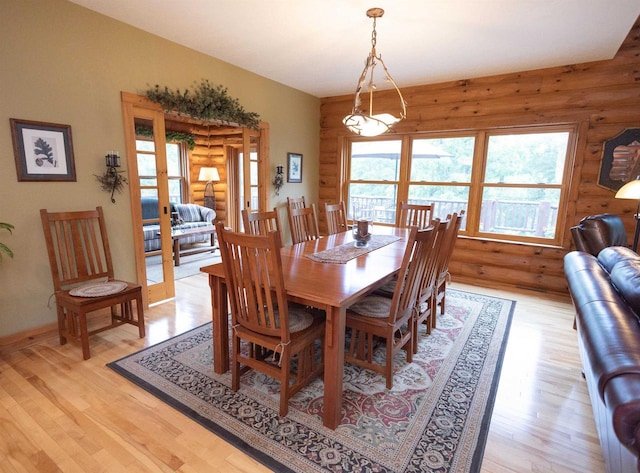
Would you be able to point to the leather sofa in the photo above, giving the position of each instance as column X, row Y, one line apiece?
column 606, row 294
column 596, row 232
column 189, row 216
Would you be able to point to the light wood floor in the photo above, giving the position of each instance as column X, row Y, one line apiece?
column 59, row 413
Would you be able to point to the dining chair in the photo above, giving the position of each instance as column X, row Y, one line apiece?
column 444, row 257
column 425, row 302
column 261, row 222
column 303, row 223
column 83, row 276
column 336, row 215
column 268, row 331
column 390, row 319
column 418, row 215
column 296, row 202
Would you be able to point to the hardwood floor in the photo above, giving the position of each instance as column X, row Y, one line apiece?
column 59, row 413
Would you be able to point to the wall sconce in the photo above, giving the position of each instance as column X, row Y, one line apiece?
column 210, row 175
column 278, row 180
column 112, row 180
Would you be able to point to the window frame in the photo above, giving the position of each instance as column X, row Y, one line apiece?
column 477, row 182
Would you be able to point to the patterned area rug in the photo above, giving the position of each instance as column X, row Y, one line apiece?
column 435, row 419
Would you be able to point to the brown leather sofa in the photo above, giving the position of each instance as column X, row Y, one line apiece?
column 596, row 232
column 606, row 295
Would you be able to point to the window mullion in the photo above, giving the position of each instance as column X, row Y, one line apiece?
column 477, row 178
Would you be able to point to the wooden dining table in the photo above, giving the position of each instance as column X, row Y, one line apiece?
column 331, row 287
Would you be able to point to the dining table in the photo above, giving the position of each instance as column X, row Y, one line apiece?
column 314, row 279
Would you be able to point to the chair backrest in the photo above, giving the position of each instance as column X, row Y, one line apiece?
column 336, row 215
column 430, row 275
column 415, row 215
column 296, row 202
column 77, row 246
column 596, row 232
column 417, row 254
column 449, row 241
column 254, row 280
column 261, row 223
column 303, row 223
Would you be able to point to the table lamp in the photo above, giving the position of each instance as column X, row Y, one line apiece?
column 631, row 190
column 210, row 175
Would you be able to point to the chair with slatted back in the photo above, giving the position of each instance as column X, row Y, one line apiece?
column 296, row 202
column 442, row 270
column 303, row 223
column 336, row 215
column 425, row 304
column 268, row 331
column 378, row 317
column 417, row 215
column 83, row 276
column 261, row 223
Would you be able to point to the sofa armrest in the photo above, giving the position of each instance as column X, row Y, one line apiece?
column 207, row 214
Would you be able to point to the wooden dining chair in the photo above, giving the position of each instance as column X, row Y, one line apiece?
column 303, row 223
column 444, row 257
column 296, row 202
column 417, row 215
column 273, row 329
column 377, row 316
column 261, row 223
column 83, row 276
column 336, row 215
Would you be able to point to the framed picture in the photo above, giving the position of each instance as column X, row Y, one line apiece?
column 43, row 151
column 294, row 167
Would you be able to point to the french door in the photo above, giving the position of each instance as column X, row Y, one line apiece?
column 149, row 186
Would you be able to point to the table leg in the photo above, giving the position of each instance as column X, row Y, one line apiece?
column 176, row 252
column 220, row 319
column 333, row 366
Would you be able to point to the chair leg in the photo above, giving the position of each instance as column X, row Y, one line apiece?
column 285, row 389
column 139, row 308
column 84, row 335
column 62, row 325
column 235, row 365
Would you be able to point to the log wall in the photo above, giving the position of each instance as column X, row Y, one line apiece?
column 602, row 97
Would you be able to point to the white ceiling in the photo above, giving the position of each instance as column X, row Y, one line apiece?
column 319, row 46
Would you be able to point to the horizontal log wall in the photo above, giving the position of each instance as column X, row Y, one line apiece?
column 602, row 97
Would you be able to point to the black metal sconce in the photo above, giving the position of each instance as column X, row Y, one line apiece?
column 112, row 179
column 278, row 180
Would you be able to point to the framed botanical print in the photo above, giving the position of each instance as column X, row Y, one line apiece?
column 43, row 151
column 294, row 167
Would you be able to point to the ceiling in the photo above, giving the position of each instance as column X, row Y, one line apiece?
column 319, row 46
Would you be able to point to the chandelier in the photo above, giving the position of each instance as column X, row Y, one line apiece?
column 368, row 124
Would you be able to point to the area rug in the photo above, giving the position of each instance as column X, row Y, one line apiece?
column 435, row 419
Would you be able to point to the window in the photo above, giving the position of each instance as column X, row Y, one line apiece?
column 176, row 169
column 510, row 182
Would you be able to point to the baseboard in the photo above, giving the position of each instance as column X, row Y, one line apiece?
column 17, row 341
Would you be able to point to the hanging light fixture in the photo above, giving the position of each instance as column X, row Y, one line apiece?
column 369, row 124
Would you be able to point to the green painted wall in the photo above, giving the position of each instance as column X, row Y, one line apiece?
column 62, row 63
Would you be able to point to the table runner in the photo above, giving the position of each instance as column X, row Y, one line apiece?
column 343, row 253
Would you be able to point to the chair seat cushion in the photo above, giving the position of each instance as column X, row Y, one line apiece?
column 299, row 318
column 373, row 306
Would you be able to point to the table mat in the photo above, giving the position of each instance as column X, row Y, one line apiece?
column 343, row 253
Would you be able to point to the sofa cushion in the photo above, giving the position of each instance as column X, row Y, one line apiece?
column 625, row 276
column 612, row 255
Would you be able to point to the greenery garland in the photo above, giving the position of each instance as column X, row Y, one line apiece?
column 171, row 136
column 204, row 102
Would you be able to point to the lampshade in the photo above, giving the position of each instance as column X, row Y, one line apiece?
column 370, row 124
column 631, row 190
column 208, row 174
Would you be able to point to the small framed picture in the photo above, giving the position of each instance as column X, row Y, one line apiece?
column 43, row 151
column 294, row 167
